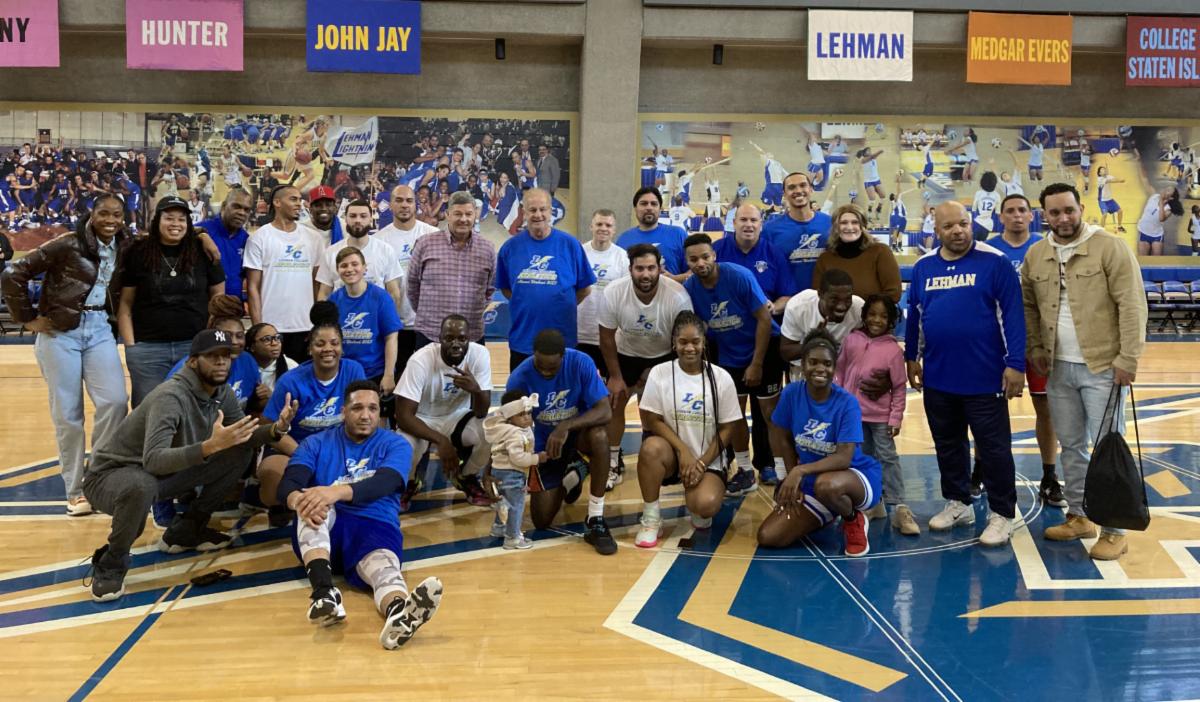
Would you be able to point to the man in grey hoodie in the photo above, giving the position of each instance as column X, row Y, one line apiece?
column 188, row 433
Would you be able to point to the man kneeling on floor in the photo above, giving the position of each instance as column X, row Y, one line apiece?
column 344, row 485
column 189, row 432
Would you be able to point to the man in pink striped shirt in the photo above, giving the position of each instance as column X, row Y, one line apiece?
column 452, row 272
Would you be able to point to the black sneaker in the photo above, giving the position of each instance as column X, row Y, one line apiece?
column 976, row 481
column 1051, row 493
column 185, row 536
column 741, row 484
column 404, row 617
column 600, row 537
column 410, row 491
column 326, row 608
column 279, row 516
column 573, row 481
column 107, row 580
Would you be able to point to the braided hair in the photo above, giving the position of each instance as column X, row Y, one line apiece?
column 688, row 318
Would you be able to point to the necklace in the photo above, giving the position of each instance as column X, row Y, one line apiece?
column 164, row 258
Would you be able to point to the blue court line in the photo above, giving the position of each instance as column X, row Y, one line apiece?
column 30, row 469
column 127, row 645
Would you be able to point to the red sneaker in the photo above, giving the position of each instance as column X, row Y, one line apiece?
column 855, row 531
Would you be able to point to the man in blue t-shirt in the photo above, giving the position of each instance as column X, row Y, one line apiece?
column 746, row 341
column 344, row 485
column 570, row 421
column 647, row 206
column 965, row 347
column 1016, row 215
column 228, row 232
column 801, row 232
column 545, row 274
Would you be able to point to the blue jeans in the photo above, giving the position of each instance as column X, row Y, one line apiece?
column 512, row 490
column 879, row 444
column 86, row 355
column 1077, row 398
column 149, row 362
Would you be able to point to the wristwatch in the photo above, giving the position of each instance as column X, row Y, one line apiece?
column 276, row 435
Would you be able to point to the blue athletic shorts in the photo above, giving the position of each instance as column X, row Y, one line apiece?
column 1149, row 239
column 773, row 194
column 1109, row 206
column 872, row 481
column 871, row 184
column 352, row 538
column 898, row 222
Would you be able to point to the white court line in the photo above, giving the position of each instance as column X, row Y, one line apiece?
column 621, row 621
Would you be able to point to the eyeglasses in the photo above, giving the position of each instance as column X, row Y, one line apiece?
column 273, row 339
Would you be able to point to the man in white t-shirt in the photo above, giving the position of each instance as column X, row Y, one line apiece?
column 402, row 234
column 280, row 261
column 834, row 307
column 382, row 268
column 610, row 263
column 442, row 398
column 635, row 320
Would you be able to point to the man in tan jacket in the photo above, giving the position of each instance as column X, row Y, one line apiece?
column 1085, row 320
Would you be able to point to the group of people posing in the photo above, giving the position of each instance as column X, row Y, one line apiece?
column 355, row 333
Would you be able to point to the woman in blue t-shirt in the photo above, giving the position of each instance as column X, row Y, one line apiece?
column 370, row 324
column 828, row 474
column 316, row 387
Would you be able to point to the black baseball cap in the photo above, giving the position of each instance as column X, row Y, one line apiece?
column 171, row 202
column 209, row 340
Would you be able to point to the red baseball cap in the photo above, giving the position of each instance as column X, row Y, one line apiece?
column 321, row 192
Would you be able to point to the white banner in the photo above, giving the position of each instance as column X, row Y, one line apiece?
column 860, row 45
column 846, row 130
column 354, row 146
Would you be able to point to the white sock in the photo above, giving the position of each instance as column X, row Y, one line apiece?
column 743, row 459
column 614, row 456
column 570, row 480
column 595, row 506
column 650, row 511
column 780, row 469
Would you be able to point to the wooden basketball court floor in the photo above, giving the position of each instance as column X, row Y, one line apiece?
column 933, row 617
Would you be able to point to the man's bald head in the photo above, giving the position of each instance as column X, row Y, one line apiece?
column 953, row 226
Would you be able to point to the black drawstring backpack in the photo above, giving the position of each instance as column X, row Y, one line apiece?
column 1114, row 493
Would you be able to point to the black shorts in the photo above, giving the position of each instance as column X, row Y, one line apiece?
column 516, row 358
column 387, row 403
column 634, row 369
column 674, row 479
column 593, row 352
column 772, row 374
column 549, row 475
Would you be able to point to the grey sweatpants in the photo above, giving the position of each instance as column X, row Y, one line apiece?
column 126, row 492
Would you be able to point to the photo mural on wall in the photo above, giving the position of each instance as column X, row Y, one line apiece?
column 54, row 163
column 1130, row 178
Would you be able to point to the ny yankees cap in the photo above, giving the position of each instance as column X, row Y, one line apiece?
column 209, row 340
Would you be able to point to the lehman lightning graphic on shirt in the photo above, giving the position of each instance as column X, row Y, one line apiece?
column 538, row 272
column 324, row 414
column 353, row 331
column 690, row 408
column 721, row 319
column 809, row 249
column 356, row 471
column 812, row 437
column 557, row 409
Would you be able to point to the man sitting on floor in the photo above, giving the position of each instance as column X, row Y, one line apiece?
column 344, row 484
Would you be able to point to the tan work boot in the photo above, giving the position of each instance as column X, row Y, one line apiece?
column 877, row 512
column 1077, row 526
column 1110, row 547
column 904, row 522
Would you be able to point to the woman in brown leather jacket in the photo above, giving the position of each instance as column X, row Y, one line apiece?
column 75, row 345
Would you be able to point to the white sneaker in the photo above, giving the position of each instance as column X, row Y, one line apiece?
column 953, row 514
column 78, row 507
column 647, row 536
column 998, row 531
column 518, row 543
column 615, row 478
column 497, row 531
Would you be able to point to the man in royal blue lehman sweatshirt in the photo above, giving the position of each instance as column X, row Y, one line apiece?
column 966, row 324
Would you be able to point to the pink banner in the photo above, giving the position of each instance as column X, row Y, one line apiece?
column 184, row 35
column 29, row 33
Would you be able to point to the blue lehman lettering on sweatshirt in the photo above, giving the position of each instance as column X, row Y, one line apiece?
column 966, row 321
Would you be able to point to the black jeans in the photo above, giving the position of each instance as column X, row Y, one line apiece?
column 127, row 492
column 950, row 416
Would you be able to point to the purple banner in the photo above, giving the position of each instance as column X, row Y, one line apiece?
column 184, row 35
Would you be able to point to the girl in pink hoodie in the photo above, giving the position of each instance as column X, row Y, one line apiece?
column 869, row 350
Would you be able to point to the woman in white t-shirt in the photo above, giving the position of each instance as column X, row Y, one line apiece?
column 1157, row 211
column 689, row 409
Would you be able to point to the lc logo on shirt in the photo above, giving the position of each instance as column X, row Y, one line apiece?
column 538, row 272
column 236, row 388
column 721, row 319
column 354, row 320
column 325, row 408
column 689, row 403
column 556, row 407
column 293, row 253
column 356, row 471
column 806, row 249
column 644, row 323
column 448, row 387
column 812, row 437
